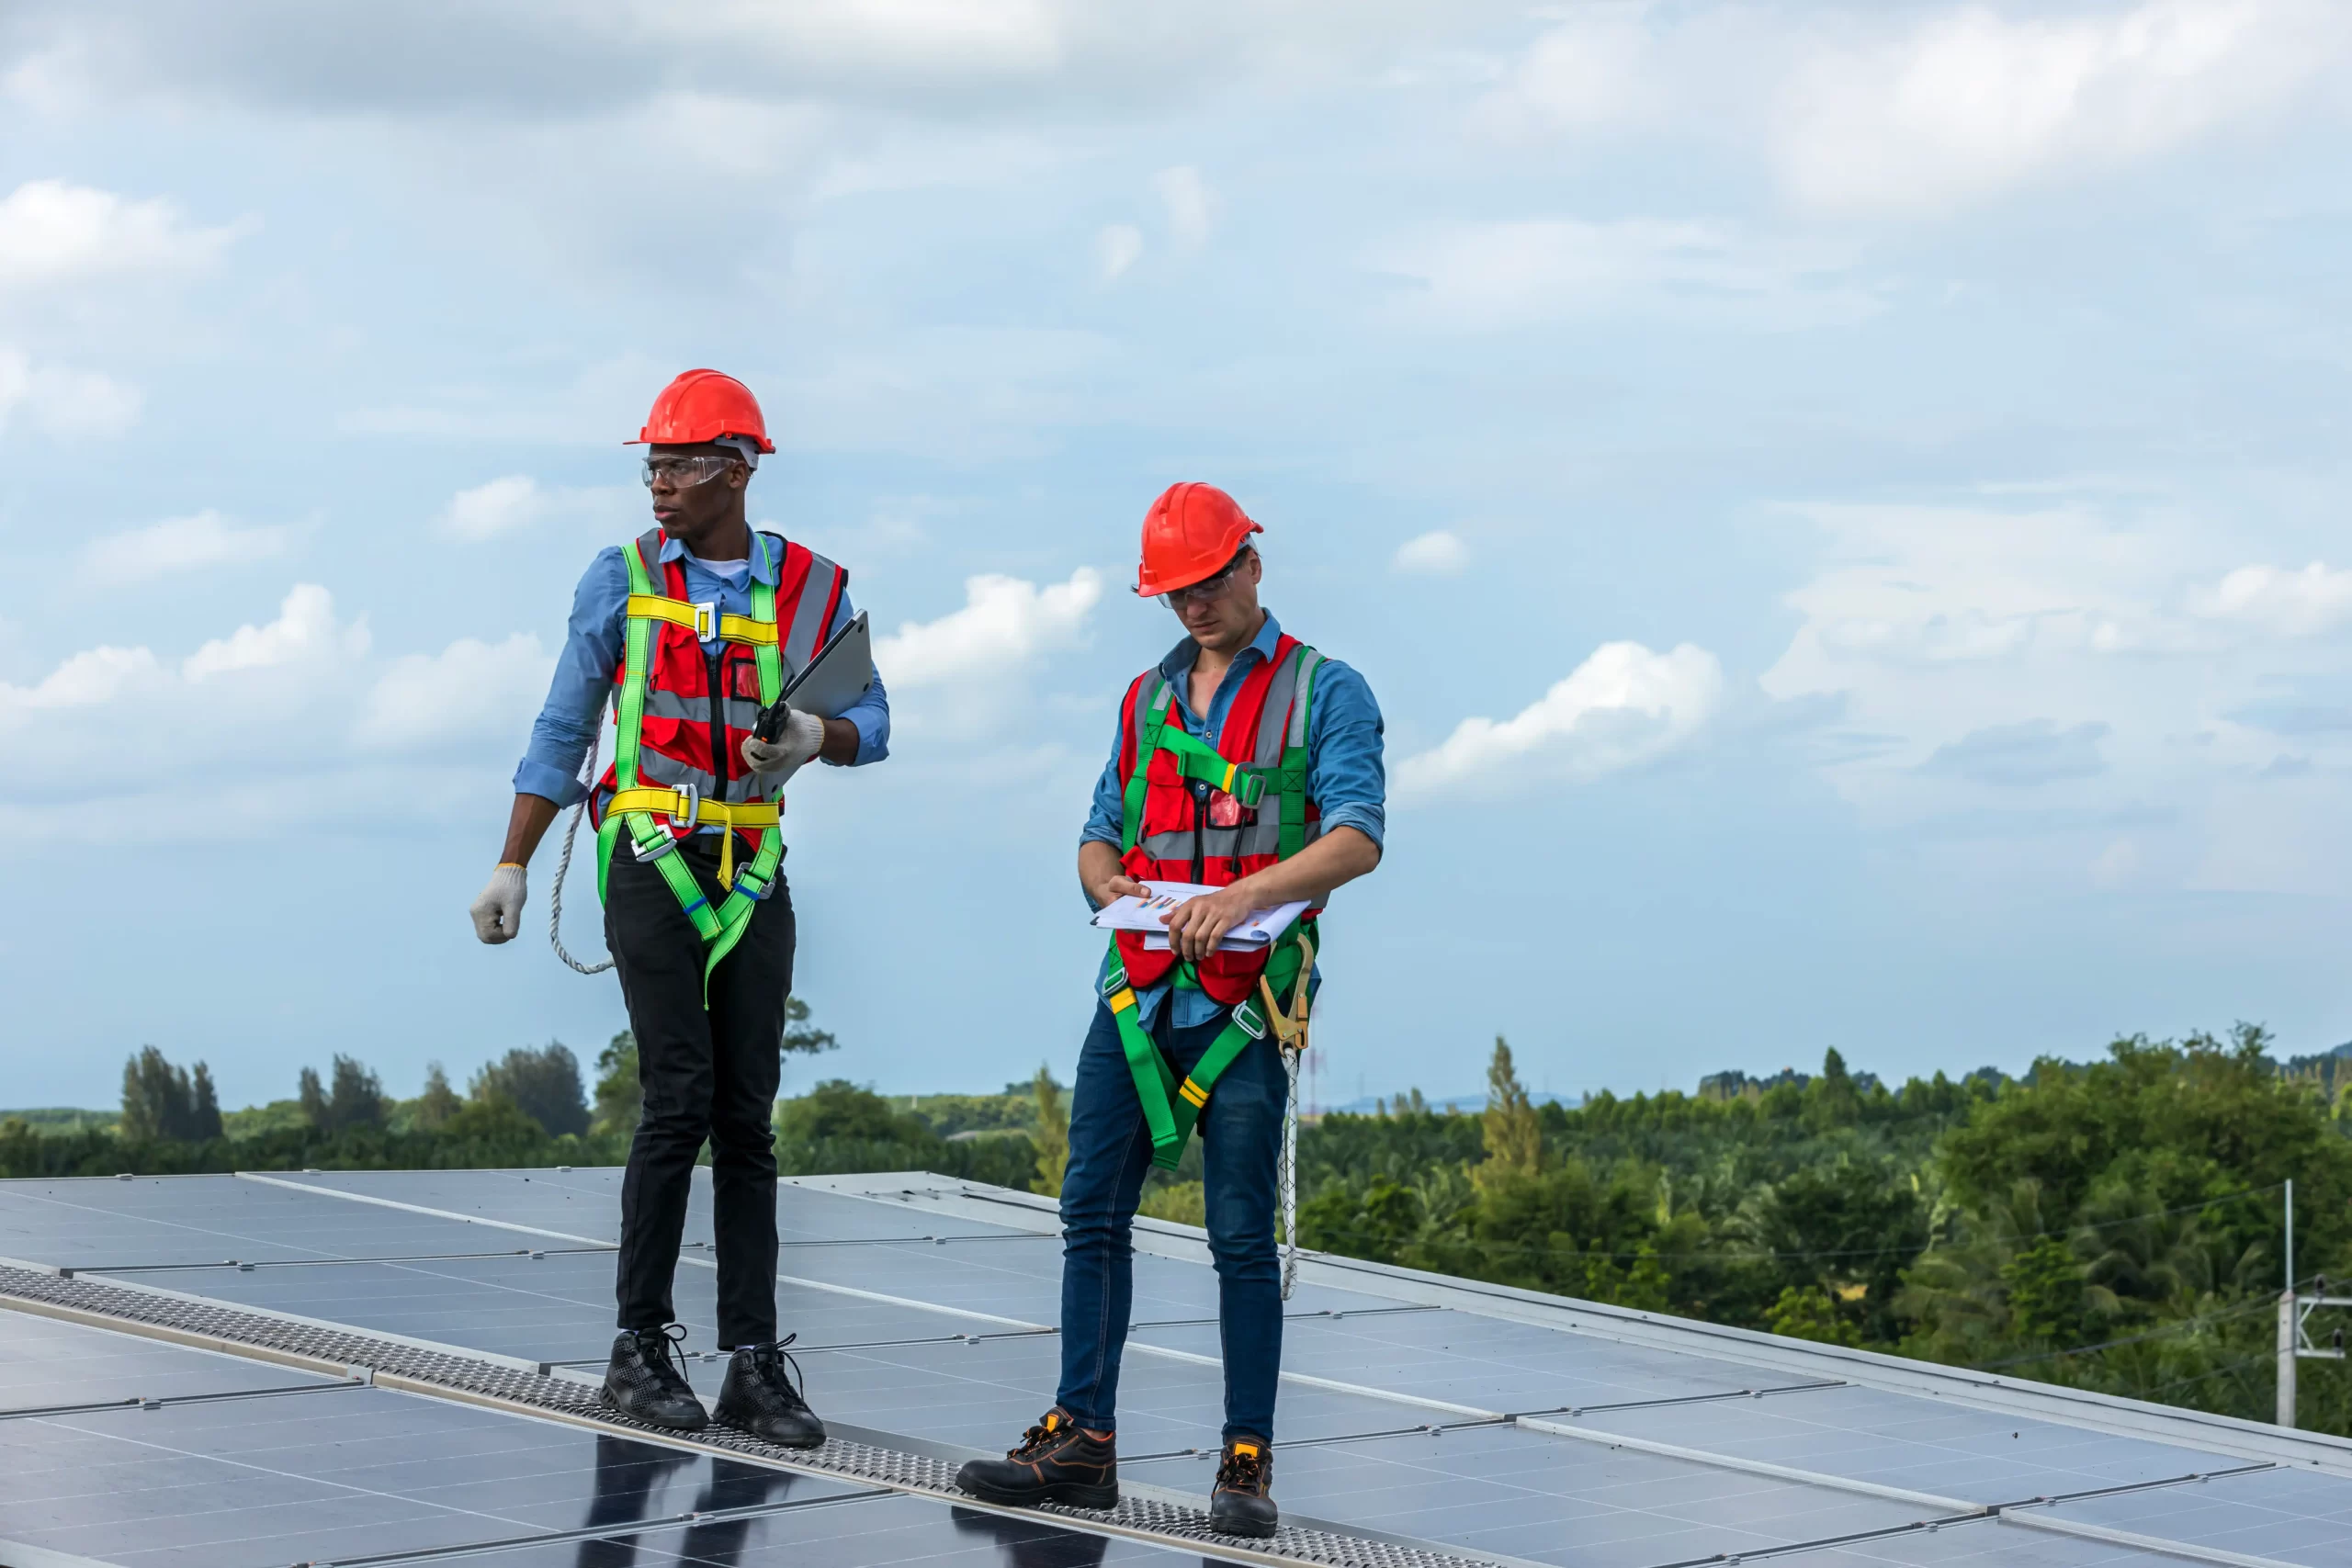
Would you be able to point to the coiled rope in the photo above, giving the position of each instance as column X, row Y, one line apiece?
column 1288, row 1175
column 564, row 867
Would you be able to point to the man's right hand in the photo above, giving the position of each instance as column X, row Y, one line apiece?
column 498, row 913
column 1120, row 886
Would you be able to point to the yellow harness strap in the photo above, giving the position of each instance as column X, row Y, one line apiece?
column 753, row 815
column 703, row 620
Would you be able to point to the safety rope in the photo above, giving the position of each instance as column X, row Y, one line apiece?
column 1289, row 1173
column 564, row 867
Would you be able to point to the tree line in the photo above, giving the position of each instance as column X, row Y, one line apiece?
column 2116, row 1225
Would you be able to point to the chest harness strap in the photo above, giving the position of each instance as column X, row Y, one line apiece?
column 633, row 805
column 1172, row 1106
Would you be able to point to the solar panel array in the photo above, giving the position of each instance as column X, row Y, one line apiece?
column 1489, row 1428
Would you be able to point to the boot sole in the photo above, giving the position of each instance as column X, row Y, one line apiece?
column 1254, row 1531
column 723, row 1419
column 604, row 1397
column 1068, row 1493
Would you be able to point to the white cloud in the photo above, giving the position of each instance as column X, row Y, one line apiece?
column 498, row 507
column 1188, row 202
column 52, row 233
column 1599, row 66
column 180, row 544
column 61, row 402
column 305, row 632
column 1434, row 553
column 2291, row 603
column 471, row 691
column 88, row 679
column 1970, row 101
column 1006, row 627
column 1623, row 706
column 1500, row 273
column 1117, row 248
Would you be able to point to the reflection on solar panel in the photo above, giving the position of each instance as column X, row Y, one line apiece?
column 398, row 1366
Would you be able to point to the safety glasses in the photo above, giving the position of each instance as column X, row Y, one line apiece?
column 1208, row 588
column 684, row 472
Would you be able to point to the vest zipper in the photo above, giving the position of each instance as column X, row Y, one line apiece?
column 1200, row 827
column 717, row 661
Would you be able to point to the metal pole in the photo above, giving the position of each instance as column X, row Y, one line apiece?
column 2286, row 1357
column 2291, row 1235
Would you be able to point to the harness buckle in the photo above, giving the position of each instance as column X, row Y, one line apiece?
column 652, row 849
column 705, row 620
column 1115, row 981
column 749, row 883
column 1245, row 1019
column 693, row 797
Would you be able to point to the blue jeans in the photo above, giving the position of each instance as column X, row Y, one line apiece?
column 1110, row 1154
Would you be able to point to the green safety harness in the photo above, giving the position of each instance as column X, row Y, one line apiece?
column 633, row 805
column 1171, row 1106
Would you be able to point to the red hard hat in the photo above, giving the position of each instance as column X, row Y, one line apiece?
column 703, row 405
column 1190, row 532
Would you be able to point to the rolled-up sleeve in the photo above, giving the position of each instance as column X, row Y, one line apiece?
column 870, row 713
column 1346, row 776
column 583, row 679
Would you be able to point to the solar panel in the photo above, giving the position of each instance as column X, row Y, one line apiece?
column 1484, row 1362
column 1643, row 1445
column 204, row 1219
column 2289, row 1516
column 46, row 1365
column 1921, row 1445
column 290, row 1480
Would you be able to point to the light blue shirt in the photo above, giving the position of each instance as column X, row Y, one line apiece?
column 1345, row 776
column 597, row 636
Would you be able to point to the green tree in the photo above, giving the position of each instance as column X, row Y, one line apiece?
column 797, row 1034
column 160, row 1100
column 620, row 1094
column 543, row 1084
column 1806, row 1311
column 355, row 1100
column 1513, row 1135
column 438, row 1104
column 1052, row 1134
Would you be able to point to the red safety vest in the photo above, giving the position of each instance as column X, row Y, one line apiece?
column 700, row 706
column 1190, row 832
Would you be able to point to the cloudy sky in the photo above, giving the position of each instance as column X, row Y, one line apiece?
column 1843, row 508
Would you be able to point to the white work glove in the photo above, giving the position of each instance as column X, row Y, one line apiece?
column 776, row 761
column 498, row 913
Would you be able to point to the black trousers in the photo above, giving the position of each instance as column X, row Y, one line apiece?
column 708, row 1074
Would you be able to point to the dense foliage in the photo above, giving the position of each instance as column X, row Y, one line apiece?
column 2116, row 1226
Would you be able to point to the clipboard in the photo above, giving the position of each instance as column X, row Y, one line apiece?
column 838, row 675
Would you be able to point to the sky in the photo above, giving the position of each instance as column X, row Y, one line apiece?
column 1842, row 507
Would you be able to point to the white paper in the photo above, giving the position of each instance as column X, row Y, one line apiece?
column 1149, row 915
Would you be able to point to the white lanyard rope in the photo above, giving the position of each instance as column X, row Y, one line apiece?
column 564, row 867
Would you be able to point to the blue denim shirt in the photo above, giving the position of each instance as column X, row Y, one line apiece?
column 1345, row 776
column 592, row 652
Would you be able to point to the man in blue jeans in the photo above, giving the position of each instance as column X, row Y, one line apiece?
column 1268, row 788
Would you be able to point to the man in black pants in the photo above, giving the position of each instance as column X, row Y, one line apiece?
column 692, row 629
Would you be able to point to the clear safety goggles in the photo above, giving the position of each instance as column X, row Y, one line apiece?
column 685, row 472
column 1208, row 588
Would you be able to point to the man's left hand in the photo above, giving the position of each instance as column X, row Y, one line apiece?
column 1197, row 925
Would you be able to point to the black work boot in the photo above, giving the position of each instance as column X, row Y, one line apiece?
column 762, row 1396
column 1243, row 1503
column 1057, row 1462
column 644, row 1381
